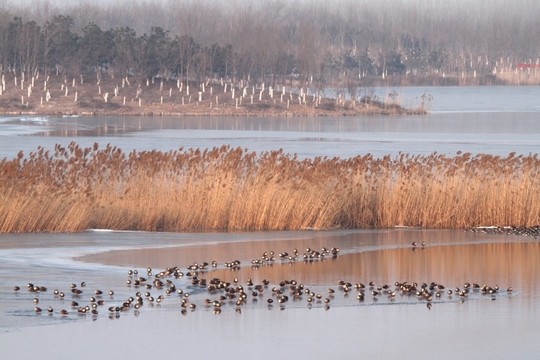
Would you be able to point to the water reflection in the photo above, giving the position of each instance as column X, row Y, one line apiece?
column 382, row 256
column 450, row 258
column 472, row 123
column 117, row 126
column 512, row 264
column 447, row 133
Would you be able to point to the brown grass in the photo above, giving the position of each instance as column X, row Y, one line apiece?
column 173, row 99
column 78, row 188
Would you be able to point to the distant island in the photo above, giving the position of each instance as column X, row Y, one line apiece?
column 104, row 95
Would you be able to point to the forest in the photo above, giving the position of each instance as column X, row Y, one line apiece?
column 338, row 43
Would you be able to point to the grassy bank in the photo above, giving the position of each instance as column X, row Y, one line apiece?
column 53, row 95
column 230, row 189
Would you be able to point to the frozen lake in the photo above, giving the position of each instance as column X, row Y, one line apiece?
column 494, row 120
column 486, row 325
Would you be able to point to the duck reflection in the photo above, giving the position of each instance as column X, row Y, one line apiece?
column 370, row 256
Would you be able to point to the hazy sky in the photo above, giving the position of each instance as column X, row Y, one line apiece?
column 70, row 3
column 430, row 3
column 425, row 3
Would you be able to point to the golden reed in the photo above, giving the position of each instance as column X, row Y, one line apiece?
column 78, row 188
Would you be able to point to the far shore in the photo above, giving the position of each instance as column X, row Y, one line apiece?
column 59, row 95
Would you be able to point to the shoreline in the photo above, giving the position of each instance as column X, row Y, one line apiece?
column 369, row 109
column 509, row 230
column 384, row 112
column 58, row 95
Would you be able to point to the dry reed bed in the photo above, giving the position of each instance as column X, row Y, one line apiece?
column 78, row 188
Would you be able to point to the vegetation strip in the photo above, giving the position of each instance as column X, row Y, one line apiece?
column 74, row 188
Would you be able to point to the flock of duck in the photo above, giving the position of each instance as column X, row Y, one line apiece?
column 151, row 289
column 532, row 231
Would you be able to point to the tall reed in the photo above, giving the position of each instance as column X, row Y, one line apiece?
column 76, row 188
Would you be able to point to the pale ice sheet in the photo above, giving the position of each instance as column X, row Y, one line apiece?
column 494, row 120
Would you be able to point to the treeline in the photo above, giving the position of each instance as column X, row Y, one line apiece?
column 344, row 42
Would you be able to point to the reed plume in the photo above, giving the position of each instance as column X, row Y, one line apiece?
column 74, row 188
